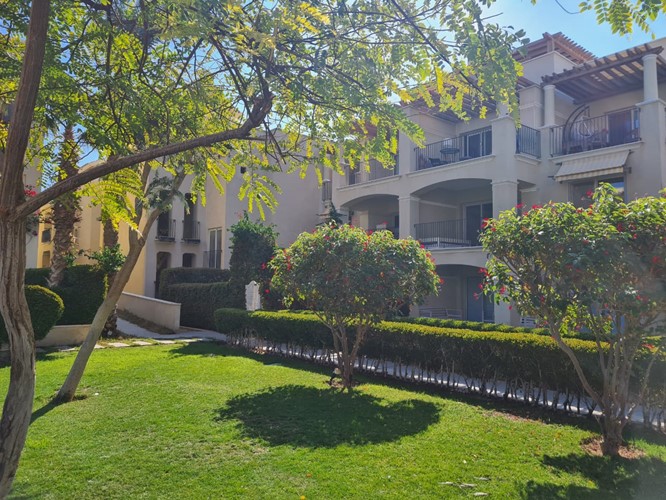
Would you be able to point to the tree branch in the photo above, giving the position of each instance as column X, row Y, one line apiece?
column 100, row 168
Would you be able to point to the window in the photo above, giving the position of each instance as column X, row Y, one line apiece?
column 188, row 260
column 477, row 143
column 215, row 248
column 580, row 193
column 46, row 235
column 46, row 259
column 190, row 223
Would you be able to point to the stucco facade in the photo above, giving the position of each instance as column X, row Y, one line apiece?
column 582, row 120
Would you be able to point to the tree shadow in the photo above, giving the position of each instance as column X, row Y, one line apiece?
column 643, row 478
column 313, row 418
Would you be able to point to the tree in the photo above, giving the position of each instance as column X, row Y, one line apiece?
column 351, row 280
column 145, row 82
column 602, row 269
column 253, row 244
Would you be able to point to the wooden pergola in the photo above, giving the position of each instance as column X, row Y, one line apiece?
column 607, row 76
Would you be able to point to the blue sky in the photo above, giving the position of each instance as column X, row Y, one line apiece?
column 547, row 16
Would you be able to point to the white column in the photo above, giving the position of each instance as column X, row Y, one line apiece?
column 505, row 195
column 408, row 207
column 650, row 83
column 549, row 106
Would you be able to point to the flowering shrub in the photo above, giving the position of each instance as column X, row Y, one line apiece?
column 352, row 279
column 600, row 269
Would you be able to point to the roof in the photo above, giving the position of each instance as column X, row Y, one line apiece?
column 607, row 76
column 554, row 43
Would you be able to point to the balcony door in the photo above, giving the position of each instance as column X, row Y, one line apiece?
column 479, row 306
column 623, row 127
column 478, row 143
column 474, row 215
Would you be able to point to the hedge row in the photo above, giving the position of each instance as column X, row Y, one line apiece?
column 530, row 364
column 178, row 275
column 82, row 291
column 45, row 310
column 470, row 325
column 199, row 301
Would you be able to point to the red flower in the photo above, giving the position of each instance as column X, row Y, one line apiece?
column 620, row 227
column 503, row 290
column 589, row 193
column 648, row 346
column 510, row 307
column 483, row 270
column 519, row 206
column 263, row 265
column 536, row 207
column 484, row 223
column 441, row 281
column 267, row 291
column 480, row 286
column 656, row 259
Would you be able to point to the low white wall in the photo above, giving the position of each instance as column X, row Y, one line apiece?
column 64, row 335
column 160, row 312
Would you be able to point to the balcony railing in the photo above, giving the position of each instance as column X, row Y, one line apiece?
column 473, row 144
column 191, row 231
column 613, row 129
column 528, row 141
column 378, row 171
column 166, row 229
column 213, row 259
column 449, row 233
column 326, row 191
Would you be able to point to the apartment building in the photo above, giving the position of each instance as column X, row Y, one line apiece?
column 583, row 120
column 193, row 235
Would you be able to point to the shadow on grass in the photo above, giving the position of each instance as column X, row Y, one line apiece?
column 643, row 478
column 308, row 417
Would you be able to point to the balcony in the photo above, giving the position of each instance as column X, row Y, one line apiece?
column 528, row 141
column 166, row 229
column 449, row 233
column 471, row 145
column 191, row 231
column 586, row 134
column 375, row 172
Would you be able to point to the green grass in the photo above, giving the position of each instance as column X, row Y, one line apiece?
column 206, row 421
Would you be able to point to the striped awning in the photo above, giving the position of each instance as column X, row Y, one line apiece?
column 592, row 166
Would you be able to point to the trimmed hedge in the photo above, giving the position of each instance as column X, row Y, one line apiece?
column 199, row 301
column 530, row 364
column 82, row 291
column 178, row 275
column 46, row 308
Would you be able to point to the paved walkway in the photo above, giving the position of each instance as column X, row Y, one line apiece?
column 131, row 330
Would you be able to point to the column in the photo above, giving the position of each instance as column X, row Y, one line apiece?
column 650, row 83
column 408, row 207
column 549, row 106
column 505, row 197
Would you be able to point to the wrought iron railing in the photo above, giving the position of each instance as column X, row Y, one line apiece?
column 213, row 259
column 326, row 191
column 613, row 129
column 448, row 233
column 528, row 141
column 166, row 229
column 191, row 231
column 473, row 144
column 378, row 171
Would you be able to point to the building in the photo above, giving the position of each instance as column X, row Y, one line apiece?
column 197, row 236
column 583, row 120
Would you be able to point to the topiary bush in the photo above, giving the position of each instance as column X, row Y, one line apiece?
column 179, row 275
column 46, row 307
column 82, row 291
column 199, row 301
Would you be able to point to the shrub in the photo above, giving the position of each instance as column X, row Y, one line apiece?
column 178, row 275
column 46, row 307
column 529, row 363
column 82, row 291
column 199, row 301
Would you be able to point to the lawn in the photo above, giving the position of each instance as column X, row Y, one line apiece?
column 206, row 421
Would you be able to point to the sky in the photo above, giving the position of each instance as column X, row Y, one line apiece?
column 582, row 28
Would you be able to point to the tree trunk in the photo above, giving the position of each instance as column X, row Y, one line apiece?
column 68, row 389
column 65, row 213
column 611, row 429
column 110, row 238
column 17, row 409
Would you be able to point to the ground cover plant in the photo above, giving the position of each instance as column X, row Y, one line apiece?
column 203, row 420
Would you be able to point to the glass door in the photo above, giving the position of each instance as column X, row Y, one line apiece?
column 474, row 215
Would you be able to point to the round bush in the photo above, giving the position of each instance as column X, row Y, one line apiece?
column 46, row 308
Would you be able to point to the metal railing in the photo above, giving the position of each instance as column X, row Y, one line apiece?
column 448, row 233
column 613, row 129
column 213, row 259
column 378, row 171
column 473, row 144
column 326, row 190
column 166, row 229
column 191, row 231
column 353, row 177
column 528, row 141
